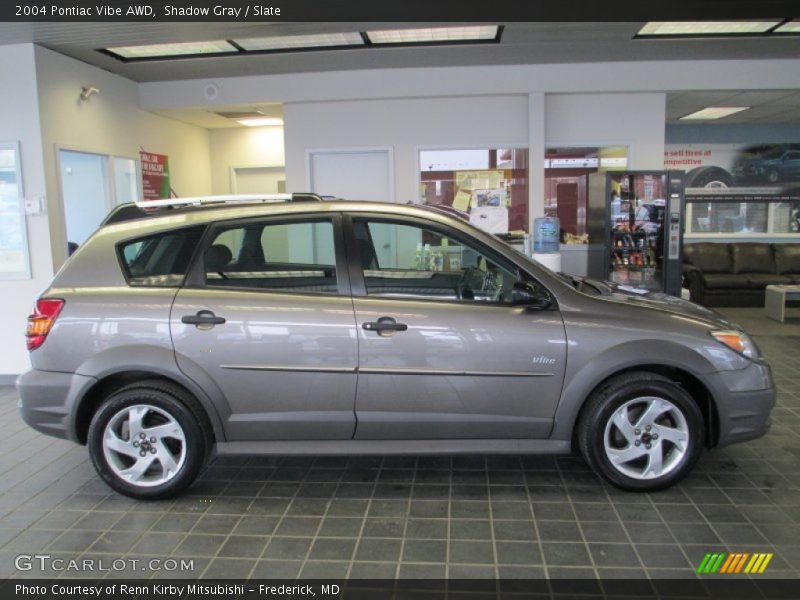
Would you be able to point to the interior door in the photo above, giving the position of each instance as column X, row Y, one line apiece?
column 442, row 351
column 86, row 192
column 268, row 318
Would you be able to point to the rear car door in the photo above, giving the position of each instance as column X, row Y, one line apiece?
column 443, row 354
column 266, row 314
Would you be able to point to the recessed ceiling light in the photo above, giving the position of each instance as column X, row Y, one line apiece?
column 790, row 27
column 260, row 121
column 655, row 28
column 714, row 112
column 469, row 33
column 177, row 49
column 288, row 42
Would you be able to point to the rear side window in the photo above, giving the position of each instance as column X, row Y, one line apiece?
column 289, row 256
column 159, row 260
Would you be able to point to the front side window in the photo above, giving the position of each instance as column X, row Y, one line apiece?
column 159, row 260
column 295, row 257
column 408, row 260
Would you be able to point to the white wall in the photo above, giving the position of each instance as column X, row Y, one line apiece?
column 111, row 122
column 405, row 125
column 19, row 122
column 641, row 76
column 241, row 147
column 633, row 120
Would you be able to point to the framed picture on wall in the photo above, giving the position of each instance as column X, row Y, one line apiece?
column 14, row 257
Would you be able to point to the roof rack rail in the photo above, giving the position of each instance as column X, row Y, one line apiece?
column 139, row 210
column 229, row 198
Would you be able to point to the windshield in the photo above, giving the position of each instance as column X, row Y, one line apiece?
column 772, row 154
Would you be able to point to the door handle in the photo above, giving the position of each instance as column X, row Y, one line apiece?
column 204, row 318
column 384, row 326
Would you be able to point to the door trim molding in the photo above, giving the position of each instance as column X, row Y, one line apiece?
column 449, row 372
column 295, row 369
column 386, row 371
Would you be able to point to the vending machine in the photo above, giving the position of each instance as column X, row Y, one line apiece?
column 636, row 225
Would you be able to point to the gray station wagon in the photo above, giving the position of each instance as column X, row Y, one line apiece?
column 184, row 329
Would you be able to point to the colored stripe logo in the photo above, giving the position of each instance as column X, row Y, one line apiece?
column 735, row 562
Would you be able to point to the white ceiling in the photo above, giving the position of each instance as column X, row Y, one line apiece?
column 522, row 43
column 767, row 106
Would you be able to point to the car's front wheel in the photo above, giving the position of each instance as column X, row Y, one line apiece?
column 641, row 431
column 146, row 442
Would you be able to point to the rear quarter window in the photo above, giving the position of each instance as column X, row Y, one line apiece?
column 158, row 260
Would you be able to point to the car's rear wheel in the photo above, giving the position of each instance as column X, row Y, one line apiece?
column 147, row 442
column 641, row 431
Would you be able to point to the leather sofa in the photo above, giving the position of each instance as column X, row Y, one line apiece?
column 736, row 274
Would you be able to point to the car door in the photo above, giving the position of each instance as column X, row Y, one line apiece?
column 443, row 352
column 791, row 166
column 267, row 316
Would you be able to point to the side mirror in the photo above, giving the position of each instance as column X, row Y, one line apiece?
column 525, row 294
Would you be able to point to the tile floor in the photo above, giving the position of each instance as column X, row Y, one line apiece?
column 407, row 517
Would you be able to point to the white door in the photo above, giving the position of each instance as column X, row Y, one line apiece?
column 353, row 175
column 357, row 175
column 86, row 192
column 258, row 180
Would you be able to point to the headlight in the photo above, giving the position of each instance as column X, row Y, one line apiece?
column 738, row 341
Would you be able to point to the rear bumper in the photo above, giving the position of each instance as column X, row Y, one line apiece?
column 744, row 414
column 47, row 398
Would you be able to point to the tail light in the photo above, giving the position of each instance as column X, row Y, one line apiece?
column 41, row 321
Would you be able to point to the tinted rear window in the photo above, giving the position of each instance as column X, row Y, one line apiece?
column 159, row 260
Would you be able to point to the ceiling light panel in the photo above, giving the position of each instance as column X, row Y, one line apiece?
column 714, row 112
column 790, row 27
column 471, row 33
column 290, row 42
column 656, row 28
column 260, row 122
column 177, row 49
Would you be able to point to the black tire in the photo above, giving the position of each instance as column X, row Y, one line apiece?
column 610, row 397
column 716, row 177
column 181, row 406
column 773, row 176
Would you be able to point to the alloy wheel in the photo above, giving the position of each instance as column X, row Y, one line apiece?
column 646, row 437
column 144, row 445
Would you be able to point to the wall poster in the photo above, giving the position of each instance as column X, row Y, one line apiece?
column 735, row 165
column 14, row 257
column 155, row 176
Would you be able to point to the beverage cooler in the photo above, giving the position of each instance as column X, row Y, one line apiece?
column 636, row 229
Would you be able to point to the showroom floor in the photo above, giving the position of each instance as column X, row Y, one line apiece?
column 504, row 516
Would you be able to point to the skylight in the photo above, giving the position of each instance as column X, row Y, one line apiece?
column 468, row 33
column 176, row 49
column 700, row 28
column 289, row 42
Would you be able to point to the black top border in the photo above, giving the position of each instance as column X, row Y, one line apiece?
column 408, row 11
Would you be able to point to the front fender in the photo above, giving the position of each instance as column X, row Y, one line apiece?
column 581, row 381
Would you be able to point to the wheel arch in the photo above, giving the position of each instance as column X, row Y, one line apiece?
column 108, row 383
column 689, row 369
column 693, row 385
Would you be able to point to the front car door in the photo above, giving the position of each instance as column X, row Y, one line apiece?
column 443, row 352
column 267, row 316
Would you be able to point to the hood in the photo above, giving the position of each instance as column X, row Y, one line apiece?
column 613, row 292
column 671, row 304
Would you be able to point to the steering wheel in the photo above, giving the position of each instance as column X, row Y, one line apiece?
column 474, row 280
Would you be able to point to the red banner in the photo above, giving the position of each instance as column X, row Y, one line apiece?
column 155, row 175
